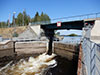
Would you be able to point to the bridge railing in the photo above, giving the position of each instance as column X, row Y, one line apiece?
column 70, row 18
column 91, row 58
column 77, row 17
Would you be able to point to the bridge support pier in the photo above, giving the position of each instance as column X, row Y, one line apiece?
column 50, row 46
column 50, row 35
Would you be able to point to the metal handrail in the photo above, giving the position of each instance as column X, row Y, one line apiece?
column 77, row 16
column 80, row 17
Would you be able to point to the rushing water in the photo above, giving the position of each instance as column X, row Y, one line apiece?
column 33, row 66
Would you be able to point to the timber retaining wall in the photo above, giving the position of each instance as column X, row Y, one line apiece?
column 11, row 48
column 35, row 47
column 65, row 50
column 6, row 49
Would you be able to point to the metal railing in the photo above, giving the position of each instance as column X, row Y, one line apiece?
column 70, row 18
column 77, row 17
column 91, row 57
column 63, row 19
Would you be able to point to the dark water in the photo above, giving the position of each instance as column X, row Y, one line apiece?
column 64, row 67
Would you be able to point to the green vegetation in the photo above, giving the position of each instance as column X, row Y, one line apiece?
column 3, row 24
column 43, row 18
column 15, row 34
column 23, row 19
column 72, row 34
column 19, row 19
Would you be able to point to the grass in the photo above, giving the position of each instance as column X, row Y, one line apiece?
column 8, row 32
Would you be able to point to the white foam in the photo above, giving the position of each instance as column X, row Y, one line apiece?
column 33, row 66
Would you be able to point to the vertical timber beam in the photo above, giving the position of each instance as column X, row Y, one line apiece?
column 50, row 34
column 50, row 45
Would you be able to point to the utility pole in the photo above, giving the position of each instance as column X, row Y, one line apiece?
column 23, row 17
column 14, row 18
column 14, row 23
column 9, row 21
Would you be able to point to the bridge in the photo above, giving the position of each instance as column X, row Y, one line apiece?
column 87, row 52
column 49, row 29
column 89, row 55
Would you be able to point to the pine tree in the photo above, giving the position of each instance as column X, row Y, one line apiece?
column 37, row 17
column 26, row 18
column 20, row 19
column 45, row 18
column 42, row 17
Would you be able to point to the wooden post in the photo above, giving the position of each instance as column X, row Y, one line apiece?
column 50, row 36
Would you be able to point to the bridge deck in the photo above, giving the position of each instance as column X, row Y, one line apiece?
column 65, row 25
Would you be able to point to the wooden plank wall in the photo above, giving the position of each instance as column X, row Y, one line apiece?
column 36, row 47
column 6, row 49
column 64, row 50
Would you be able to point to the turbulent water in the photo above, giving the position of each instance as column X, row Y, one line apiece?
column 34, row 66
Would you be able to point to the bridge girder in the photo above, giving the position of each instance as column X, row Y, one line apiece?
column 49, row 30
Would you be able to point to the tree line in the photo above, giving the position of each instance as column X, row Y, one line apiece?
column 23, row 19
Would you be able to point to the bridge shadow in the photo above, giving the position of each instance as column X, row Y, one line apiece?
column 65, row 66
